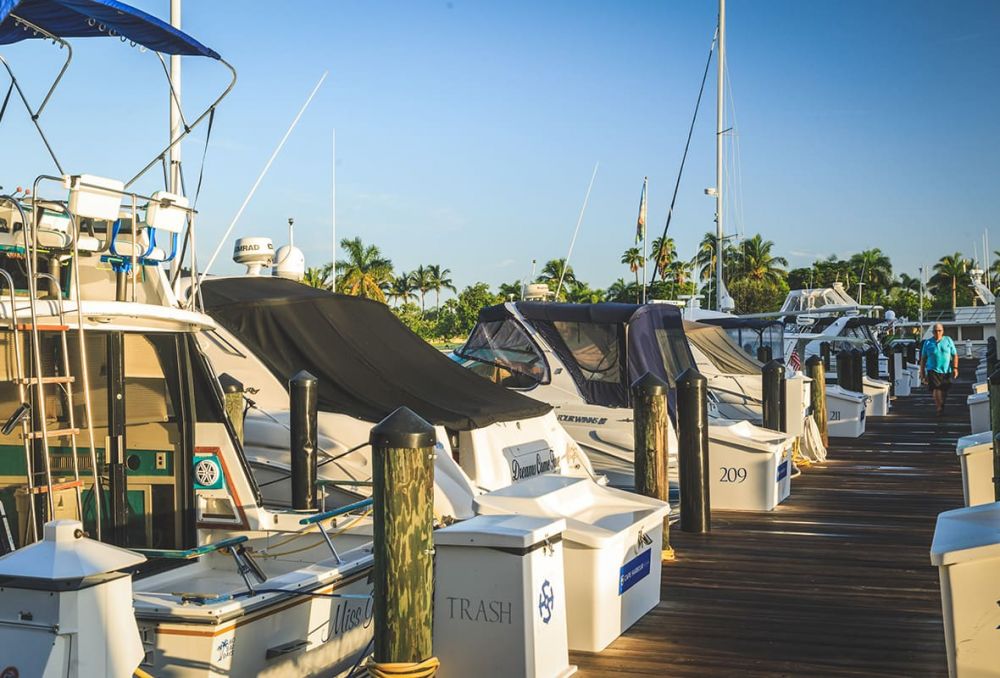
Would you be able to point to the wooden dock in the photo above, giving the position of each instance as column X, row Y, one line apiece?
column 836, row 581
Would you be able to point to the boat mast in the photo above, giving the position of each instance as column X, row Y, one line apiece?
column 720, row 287
column 174, row 174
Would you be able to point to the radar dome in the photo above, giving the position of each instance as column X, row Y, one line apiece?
column 289, row 263
column 254, row 253
column 890, row 315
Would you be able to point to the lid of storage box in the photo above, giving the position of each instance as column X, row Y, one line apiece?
column 981, row 387
column 595, row 515
column 974, row 443
column 517, row 532
column 749, row 437
column 836, row 391
column 977, row 398
column 875, row 383
column 967, row 534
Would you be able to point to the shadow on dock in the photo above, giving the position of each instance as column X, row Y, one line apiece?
column 836, row 581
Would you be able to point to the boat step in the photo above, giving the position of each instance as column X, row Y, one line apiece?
column 68, row 485
column 26, row 327
column 55, row 433
column 286, row 648
column 45, row 380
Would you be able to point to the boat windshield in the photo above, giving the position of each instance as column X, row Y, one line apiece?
column 505, row 346
column 594, row 347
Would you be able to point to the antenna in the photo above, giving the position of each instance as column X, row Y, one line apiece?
column 291, row 232
column 583, row 208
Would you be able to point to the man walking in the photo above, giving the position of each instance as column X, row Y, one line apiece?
column 938, row 364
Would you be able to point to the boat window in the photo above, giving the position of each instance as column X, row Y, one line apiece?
column 505, row 354
column 594, row 347
column 974, row 332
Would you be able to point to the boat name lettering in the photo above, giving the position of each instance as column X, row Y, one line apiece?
column 484, row 611
column 578, row 419
column 351, row 614
column 521, row 471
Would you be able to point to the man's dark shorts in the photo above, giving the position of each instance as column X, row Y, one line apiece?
column 938, row 380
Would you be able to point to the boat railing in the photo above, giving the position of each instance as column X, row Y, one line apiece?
column 318, row 518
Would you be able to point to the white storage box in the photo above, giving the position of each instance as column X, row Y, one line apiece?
column 845, row 412
column 169, row 217
column 750, row 466
column 797, row 390
column 878, row 392
column 979, row 411
column 981, row 387
column 499, row 598
column 976, row 455
column 966, row 550
column 901, row 385
column 94, row 197
column 612, row 550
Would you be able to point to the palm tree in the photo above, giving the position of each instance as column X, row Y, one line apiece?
column 438, row 280
column 551, row 273
column 634, row 260
column 365, row 272
column 664, row 253
column 908, row 283
column 421, row 282
column 318, row 277
column 873, row 269
column 950, row 268
column 510, row 290
column 580, row 293
column 401, row 288
column 704, row 258
column 617, row 291
column 755, row 261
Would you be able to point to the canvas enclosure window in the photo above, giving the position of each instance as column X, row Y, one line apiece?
column 505, row 346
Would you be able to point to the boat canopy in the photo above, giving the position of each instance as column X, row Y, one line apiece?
column 752, row 333
column 720, row 348
column 604, row 347
column 367, row 362
column 94, row 18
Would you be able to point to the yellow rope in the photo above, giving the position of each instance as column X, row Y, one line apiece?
column 139, row 673
column 269, row 554
column 424, row 669
column 798, row 458
column 668, row 554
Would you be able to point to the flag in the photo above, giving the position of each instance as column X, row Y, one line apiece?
column 793, row 360
column 640, row 227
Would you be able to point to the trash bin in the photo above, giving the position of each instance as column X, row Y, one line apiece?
column 979, row 411
column 975, row 452
column 499, row 598
column 612, row 550
column 750, row 466
column 797, row 403
column 966, row 550
column 901, row 385
column 845, row 412
column 878, row 392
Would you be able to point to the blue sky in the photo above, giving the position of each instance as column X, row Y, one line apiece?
column 467, row 131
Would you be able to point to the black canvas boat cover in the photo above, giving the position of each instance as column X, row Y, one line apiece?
column 367, row 362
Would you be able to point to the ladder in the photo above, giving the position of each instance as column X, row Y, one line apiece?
column 34, row 419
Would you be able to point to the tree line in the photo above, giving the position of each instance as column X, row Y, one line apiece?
column 757, row 279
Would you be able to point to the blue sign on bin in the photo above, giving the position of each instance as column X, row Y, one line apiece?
column 633, row 571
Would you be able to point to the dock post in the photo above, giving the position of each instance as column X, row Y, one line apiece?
column 824, row 352
column 773, row 385
column 991, row 355
column 652, row 461
column 815, row 371
column 891, row 364
column 994, row 390
column 233, row 390
column 871, row 362
column 857, row 370
column 692, row 456
column 844, row 369
column 302, row 392
column 764, row 354
column 403, row 531
column 911, row 353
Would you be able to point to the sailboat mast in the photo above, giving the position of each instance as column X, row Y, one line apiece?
column 174, row 174
column 720, row 288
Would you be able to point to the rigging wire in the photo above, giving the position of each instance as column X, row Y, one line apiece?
column 687, row 146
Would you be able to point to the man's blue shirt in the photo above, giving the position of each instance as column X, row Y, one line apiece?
column 940, row 355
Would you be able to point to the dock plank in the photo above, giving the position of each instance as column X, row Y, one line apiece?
column 835, row 582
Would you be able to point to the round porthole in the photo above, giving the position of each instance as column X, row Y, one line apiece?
column 207, row 473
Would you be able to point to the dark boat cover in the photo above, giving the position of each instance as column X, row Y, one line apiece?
column 367, row 362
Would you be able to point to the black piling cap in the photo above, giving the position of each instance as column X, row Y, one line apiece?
column 650, row 384
column 403, row 429
column 230, row 384
column 812, row 361
column 773, row 366
column 994, row 378
column 303, row 378
column 691, row 378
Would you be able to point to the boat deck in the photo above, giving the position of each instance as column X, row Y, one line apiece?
column 836, row 581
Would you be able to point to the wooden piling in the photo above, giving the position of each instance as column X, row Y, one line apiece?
column 815, row 371
column 403, row 476
column 773, row 388
column 651, row 428
column 692, row 454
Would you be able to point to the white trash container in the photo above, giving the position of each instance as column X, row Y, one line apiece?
column 499, row 598
column 981, row 387
column 878, row 391
column 798, row 388
column 976, row 455
column 979, row 411
column 612, row 550
column 901, row 385
column 966, row 550
column 845, row 412
column 750, row 466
